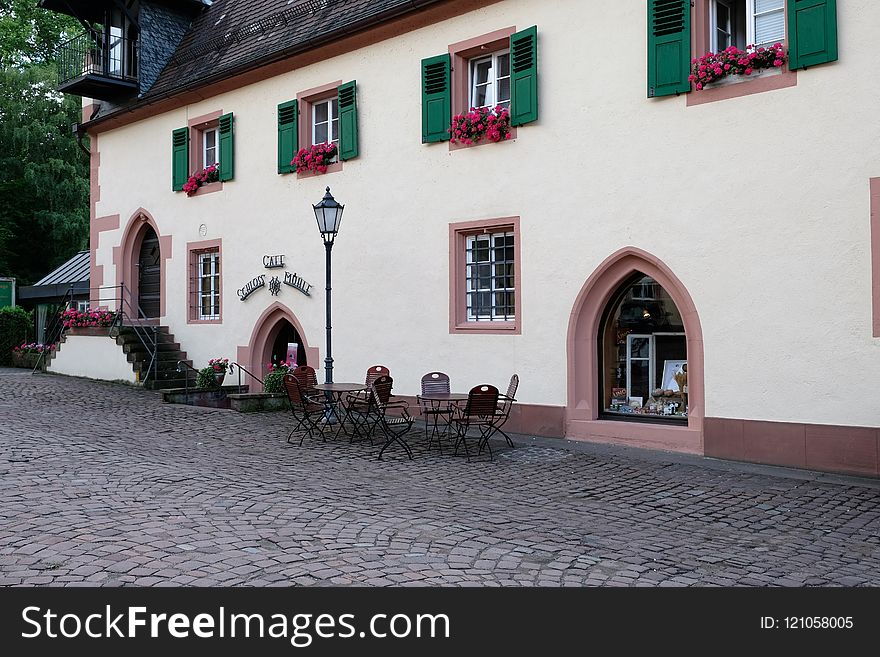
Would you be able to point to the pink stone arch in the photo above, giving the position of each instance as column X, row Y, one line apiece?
column 582, row 408
column 125, row 258
column 258, row 351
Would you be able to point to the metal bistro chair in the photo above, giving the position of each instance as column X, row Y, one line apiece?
column 307, row 411
column 503, row 413
column 392, row 418
column 479, row 412
column 357, row 404
column 432, row 410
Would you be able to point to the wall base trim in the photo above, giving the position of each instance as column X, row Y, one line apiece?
column 823, row 447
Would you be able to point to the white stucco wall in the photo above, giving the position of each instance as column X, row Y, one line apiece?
column 94, row 357
column 758, row 204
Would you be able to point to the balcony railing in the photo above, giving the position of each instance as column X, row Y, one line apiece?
column 100, row 58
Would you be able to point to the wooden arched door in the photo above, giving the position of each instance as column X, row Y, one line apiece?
column 149, row 274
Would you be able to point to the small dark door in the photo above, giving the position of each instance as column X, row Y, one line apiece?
column 148, row 275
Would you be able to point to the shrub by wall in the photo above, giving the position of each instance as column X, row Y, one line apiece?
column 15, row 328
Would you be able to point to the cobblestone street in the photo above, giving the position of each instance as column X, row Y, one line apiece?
column 103, row 484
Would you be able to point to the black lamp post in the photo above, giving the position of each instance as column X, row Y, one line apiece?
column 329, row 215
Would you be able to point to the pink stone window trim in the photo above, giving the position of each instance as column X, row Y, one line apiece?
column 458, row 234
column 194, row 250
column 700, row 46
column 305, row 100
column 197, row 127
column 875, row 254
column 461, row 53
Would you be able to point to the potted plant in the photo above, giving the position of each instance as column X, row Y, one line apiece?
column 314, row 158
column 209, row 174
column 219, row 366
column 471, row 127
column 274, row 380
column 731, row 61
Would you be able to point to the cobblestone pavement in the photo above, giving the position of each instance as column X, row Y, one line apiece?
column 102, row 484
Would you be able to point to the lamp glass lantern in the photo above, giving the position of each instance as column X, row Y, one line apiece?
column 328, row 214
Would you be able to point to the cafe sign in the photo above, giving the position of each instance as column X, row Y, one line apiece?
column 291, row 279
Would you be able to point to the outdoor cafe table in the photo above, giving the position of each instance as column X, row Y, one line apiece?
column 436, row 399
column 339, row 390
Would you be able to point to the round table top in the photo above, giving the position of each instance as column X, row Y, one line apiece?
column 340, row 387
column 444, row 396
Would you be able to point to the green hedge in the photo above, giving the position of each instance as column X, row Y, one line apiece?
column 15, row 327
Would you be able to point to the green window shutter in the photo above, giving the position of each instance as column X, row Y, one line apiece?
column 348, row 120
column 436, row 98
column 812, row 32
column 669, row 47
column 179, row 158
column 524, row 76
column 227, row 148
column 288, row 136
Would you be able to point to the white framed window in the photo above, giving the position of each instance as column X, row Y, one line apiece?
column 489, row 277
column 208, row 290
column 325, row 121
column 490, row 80
column 745, row 22
column 209, row 147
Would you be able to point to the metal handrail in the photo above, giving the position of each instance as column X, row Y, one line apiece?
column 182, row 366
column 241, row 369
column 98, row 53
column 57, row 326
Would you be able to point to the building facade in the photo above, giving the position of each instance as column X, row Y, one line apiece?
column 663, row 266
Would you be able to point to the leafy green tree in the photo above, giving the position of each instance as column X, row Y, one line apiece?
column 29, row 35
column 44, row 188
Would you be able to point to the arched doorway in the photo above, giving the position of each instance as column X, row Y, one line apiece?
column 149, row 265
column 139, row 261
column 275, row 329
column 618, row 288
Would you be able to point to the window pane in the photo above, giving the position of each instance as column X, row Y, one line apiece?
column 321, row 133
column 503, row 91
column 638, row 379
column 770, row 28
column 640, row 348
column 334, row 108
column 321, row 112
column 480, row 96
column 767, row 5
column 503, row 65
column 335, row 130
column 482, row 69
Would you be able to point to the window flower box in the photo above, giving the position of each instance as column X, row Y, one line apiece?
column 72, row 318
column 733, row 65
column 481, row 122
column 209, row 174
column 314, row 158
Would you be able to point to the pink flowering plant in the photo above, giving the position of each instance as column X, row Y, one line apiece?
column 72, row 318
column 32, row 348
column 471, row 127
column 314, row 158
column 274, row 379
column 713, row 66
column 209, row 174
column 219, row 365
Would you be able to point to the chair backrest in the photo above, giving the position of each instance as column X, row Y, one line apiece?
column 374, row 373
column 381, row 390
column 510, row 395
column 293, row 389
column 306, row 376
column 435, row 382
column 482, row 400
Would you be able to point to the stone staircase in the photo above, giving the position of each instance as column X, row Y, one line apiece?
column 167, row 354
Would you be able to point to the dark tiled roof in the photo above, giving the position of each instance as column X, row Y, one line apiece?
column 75, row 270
column 231, row 36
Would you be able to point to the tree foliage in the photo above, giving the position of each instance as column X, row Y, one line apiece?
column 29, row 35
column 44, row 188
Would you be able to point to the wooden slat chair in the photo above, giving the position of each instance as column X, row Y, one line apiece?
column 479, row 412
column 392, row 418
column 307, row 411
column 357, row 404
column 434, row 411
column 307, row 378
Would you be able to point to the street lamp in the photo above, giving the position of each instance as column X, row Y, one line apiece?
column 328, row 213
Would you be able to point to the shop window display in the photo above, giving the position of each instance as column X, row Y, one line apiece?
column 643, row 352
